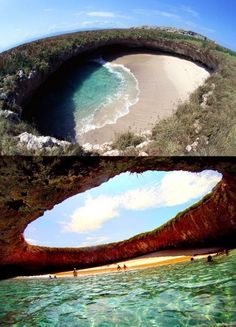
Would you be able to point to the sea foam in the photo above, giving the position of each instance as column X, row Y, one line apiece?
column 113, row 106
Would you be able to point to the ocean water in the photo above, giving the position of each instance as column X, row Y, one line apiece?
column 184, row 294
column 84, row 97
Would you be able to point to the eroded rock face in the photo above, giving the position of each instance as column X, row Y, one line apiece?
column 26, row 86
column 33, row 142
column 14, row 100
column 32, row 185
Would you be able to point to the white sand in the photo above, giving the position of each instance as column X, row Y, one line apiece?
column 164, row 82
column 154, row 259
column 159, row 258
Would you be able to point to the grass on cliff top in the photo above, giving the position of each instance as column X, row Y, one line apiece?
column 217, row 121
column 126, row 140
column 216, row 134
column 8, row 132
column 213, row 126
column 8, row 142
column 172, row 221
column 38, row 54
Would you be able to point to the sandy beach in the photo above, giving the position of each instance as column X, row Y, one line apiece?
column 164, row 82
column 154, row 259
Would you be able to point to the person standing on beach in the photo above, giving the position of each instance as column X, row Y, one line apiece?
column 209, row 258
column 75, row 273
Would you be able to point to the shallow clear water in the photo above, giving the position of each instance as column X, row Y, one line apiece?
column 186, row 294
column 84, row 97
column 105, row 95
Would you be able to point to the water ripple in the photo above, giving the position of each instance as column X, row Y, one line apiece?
column 186, row 294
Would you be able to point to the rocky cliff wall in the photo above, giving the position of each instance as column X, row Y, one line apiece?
column 32, row 185
column 27, row 85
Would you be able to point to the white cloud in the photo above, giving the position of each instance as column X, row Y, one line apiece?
column 93, row 214
column 166, row 14
column 175, row 188
column 180, row 187
column 106, row 14
column 190, row 11
column 80, row 24
column 48, row 10
column 101, row 14
column 94, row 23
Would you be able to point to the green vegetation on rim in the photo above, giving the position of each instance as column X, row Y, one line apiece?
column 212, row 126
column 205, row 128
column 172, row 221
column 126, row 140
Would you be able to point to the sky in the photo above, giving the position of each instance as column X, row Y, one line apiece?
column 126, row 205
column 24, row 20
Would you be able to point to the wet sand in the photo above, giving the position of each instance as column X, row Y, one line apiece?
column 154, row 259
column 164, row 82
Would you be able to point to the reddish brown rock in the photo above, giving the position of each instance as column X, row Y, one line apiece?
column 29, row 186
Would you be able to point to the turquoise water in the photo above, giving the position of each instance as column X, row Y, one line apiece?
column 83, row 97
column 185, row 294
column 104, row 97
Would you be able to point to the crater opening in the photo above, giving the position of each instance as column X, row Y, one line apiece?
column 125, row 206
column 98, row 95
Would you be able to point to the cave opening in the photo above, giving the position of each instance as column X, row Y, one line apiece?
column 57, row 91
column 95, row 95
column 123, row 207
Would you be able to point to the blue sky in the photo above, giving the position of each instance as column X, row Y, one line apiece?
column 124, row 206
column 26, row 19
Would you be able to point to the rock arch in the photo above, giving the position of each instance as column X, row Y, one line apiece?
column 35, row 184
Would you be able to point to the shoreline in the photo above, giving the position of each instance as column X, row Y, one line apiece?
column 122, row 100
column 154, row 259
column 164, row 82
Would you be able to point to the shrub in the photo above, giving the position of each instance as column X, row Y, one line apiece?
column 126, row 140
